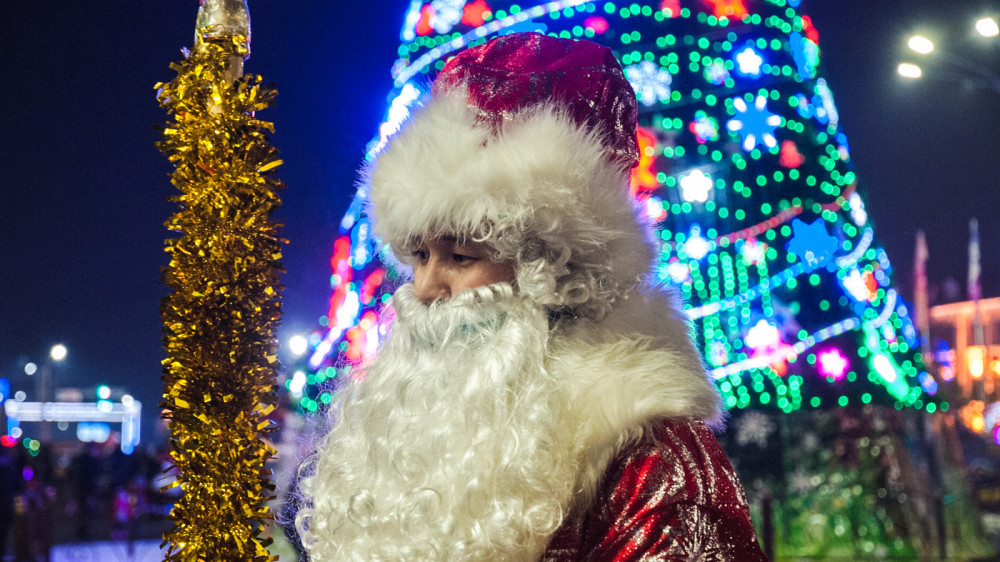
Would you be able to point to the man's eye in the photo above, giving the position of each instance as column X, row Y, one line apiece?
column 420, row 255
column 462, row 258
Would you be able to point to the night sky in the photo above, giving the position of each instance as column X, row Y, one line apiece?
column 83, row 188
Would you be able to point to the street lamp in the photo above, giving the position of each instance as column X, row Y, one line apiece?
column 987, row 27
column 920, row 44
column 57, row 353
column 952, row 67
column 908, row 70
column 298, row 345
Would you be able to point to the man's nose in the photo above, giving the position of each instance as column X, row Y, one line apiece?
column 431, row 283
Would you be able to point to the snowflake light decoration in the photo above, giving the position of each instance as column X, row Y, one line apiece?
column 678, row 272
column 753, row 252
column 654, row 209
column 718, row 353
column 755, row 124
column 447, row 13
column 695, row 187
column 717, row 73
column 810, row 442
column 763, row 336
column 697, row 246
column 754, row 427
column 748, row 62
column 704, row 127
column 650, row 81
column 800, row 482
column 811, row 242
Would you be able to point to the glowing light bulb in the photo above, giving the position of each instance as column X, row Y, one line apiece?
column 58, row 352
column 976, row 356
column 298, row 345
column 907, row 70
column 987, row 27
column 920, row 44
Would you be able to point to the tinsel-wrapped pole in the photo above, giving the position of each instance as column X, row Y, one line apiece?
column 221, row 316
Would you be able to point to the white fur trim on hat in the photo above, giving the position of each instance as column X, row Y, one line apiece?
column 540, row 178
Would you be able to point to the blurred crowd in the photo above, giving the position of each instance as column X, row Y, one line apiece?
column 76, row 492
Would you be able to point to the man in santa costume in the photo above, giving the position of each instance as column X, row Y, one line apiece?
column 538, row 396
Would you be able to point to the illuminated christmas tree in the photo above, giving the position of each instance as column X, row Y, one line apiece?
column 745, row 170
column 748, row 176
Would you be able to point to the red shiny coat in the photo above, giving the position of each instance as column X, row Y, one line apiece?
column 671, row 496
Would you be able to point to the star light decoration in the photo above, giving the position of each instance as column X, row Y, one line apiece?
column 755, row 124
column 811, row 242
column 790, row 155
column 650, row 81
column 832, row 363
column 748, row 62
column 695, row 187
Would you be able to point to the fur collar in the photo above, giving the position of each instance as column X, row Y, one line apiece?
column 635, row 366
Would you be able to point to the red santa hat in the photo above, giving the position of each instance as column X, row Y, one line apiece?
column 526, row 141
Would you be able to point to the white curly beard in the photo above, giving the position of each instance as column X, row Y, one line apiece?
column 456, row 443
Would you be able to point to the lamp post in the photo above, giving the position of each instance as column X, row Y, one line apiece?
column 945, row 65
column 43, row 385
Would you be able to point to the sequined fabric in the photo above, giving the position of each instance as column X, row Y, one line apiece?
column 520, row 70
column 672, row 496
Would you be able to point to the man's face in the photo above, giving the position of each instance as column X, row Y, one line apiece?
column 443, row 267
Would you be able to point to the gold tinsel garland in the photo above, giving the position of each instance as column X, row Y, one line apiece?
column 220, row 320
